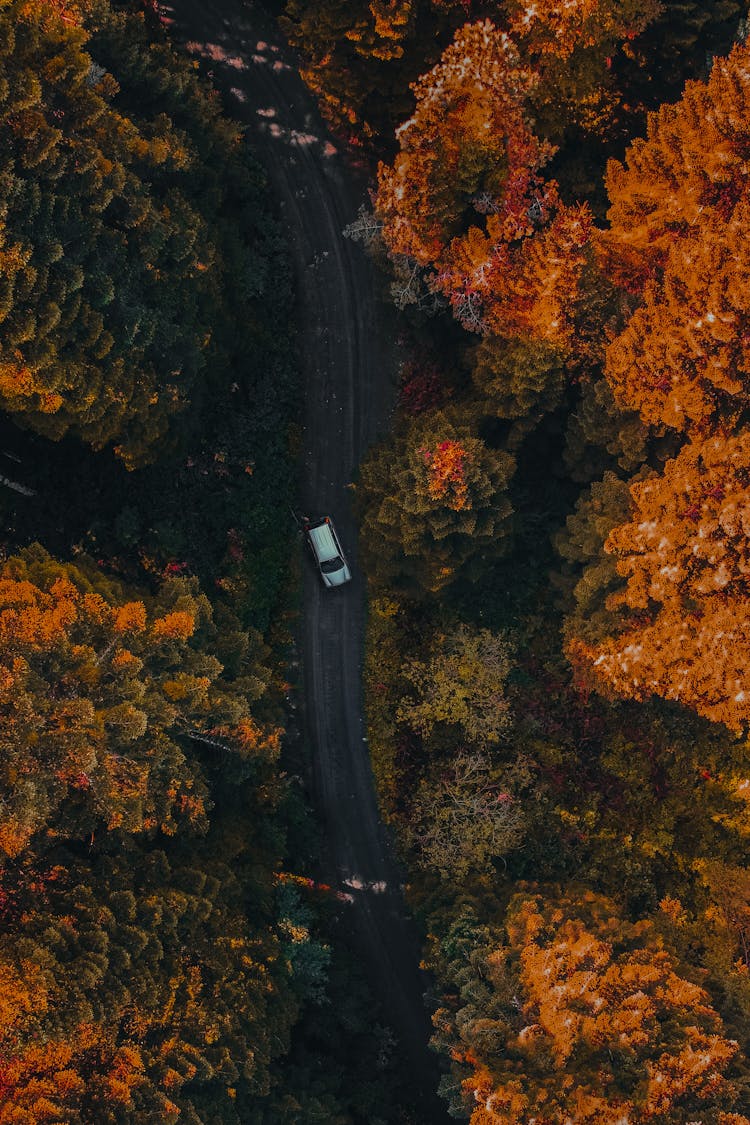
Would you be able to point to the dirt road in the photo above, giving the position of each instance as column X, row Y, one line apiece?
column 349, row 369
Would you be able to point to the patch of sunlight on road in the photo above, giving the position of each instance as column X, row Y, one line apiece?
column 215, row 53
column 263, row 53
column 303, row 140
column 165, row 19
column 358, row 884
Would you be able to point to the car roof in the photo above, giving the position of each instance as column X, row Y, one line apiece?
column 323, row 542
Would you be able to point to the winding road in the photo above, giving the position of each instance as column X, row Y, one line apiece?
column 349, row 370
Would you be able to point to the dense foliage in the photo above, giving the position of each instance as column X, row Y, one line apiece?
column 574, row 1013
column 566, row 702
column 555, row 537
column 122, row 274
column 151, row 964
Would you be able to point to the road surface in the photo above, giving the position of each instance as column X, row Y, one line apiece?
column 349, row 372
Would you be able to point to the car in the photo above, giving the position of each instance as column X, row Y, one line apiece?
column 324, row 544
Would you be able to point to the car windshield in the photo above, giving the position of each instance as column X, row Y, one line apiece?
column 330, row 565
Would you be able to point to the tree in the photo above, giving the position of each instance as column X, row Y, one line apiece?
column 465, row 198
column 359, row 58
column 683, row 628
column 90, row 338
column 431, row 499
column 578, row 1014
column 122, row 272
column 100, row 697
column 467, row 144
column 45, row 1078
column 601, row 434
column 683, row 358
column 601, row 509
column 571, row 48
column 346, row 47
column 151, row 994
column 689, row 170
column 517, row 377
column 470, row 816
column 462, row 686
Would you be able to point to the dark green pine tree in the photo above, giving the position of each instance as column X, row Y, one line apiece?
column 107, row 267
column 173, row 963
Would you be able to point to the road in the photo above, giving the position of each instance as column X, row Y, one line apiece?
column 349, row 373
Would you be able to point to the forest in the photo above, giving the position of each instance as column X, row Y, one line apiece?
column 555, row 537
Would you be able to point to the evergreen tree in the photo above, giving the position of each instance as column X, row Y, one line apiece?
column 431, row 501
column 578, row 1013
column 118, row 269
column 518, row 378
column 156, row 995
column 101, row 697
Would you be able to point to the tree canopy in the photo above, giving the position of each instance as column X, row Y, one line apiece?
column 100, row 693
column 578, row 1013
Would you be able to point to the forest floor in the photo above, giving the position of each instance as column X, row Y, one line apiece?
column 349, row 363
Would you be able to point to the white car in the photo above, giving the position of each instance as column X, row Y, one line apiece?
column 327, row 551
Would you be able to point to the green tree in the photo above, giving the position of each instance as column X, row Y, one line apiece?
column 158, row 961
column 601, row 434
column 431, row 500
column 360, row 58
column 593, row 573
column 118, row 268
column 462, row 686
column 518, row 377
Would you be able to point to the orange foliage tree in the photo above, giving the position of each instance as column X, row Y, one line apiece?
column 691, row 167
column 683, row 359
column 465, row 200
column 47, row 1078
column 98, row 695
column 579, row 1015
column 684, row 613
column 677, row 239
